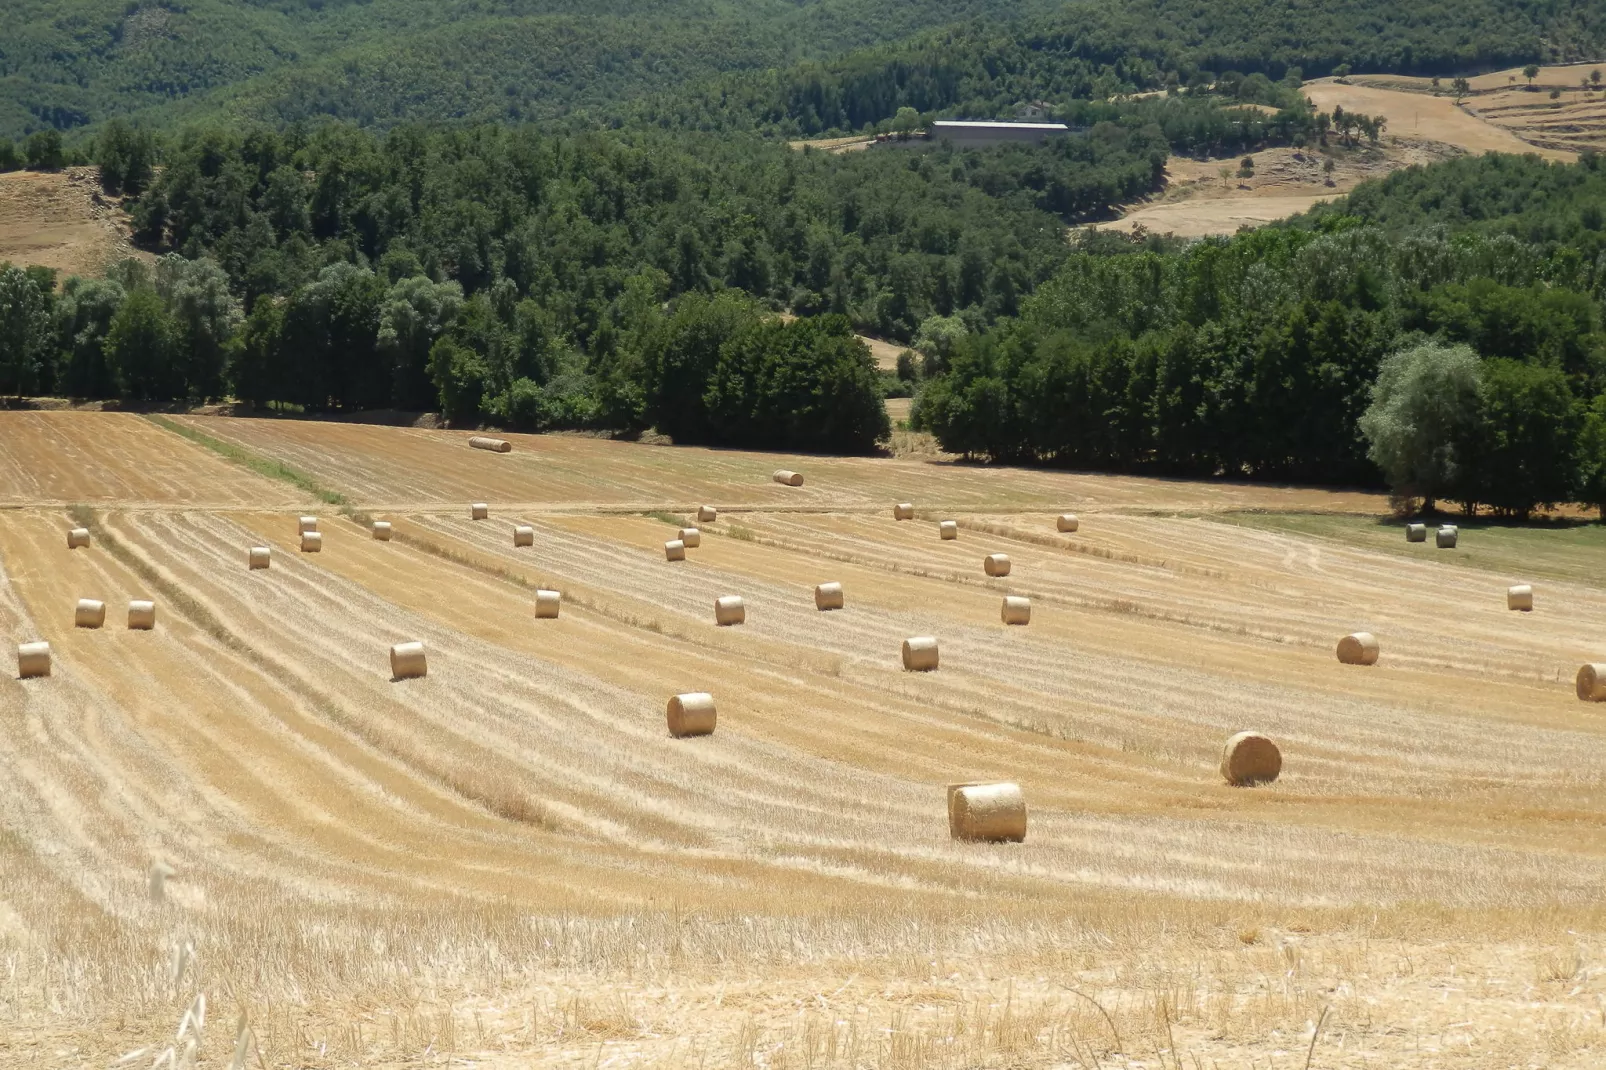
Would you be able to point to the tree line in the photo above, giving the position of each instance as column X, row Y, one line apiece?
column 1457, row 360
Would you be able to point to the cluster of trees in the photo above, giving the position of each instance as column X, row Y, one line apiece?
column 1466, row 364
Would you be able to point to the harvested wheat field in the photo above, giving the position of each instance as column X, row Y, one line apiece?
column 510, row 861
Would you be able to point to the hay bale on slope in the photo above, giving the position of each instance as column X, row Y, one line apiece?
column 729, row 610
column 920, row 654
column 996, row 565
column 707, row 514
column 675, row 550
column 311, row 542
column 523, row 535
column 987, row 813
column 1416, row 533
column 494, row 445
column 259, row 557
column 141, row 615
column 1016, row 610
column 691, row 537
column 1520, row 598
column 828, row 596
column 479, row 511
column 1446, row 536
column 381, row 530
column 306, row 524
column 1358, row 648
column 692, row 714
column 1067, row 522
column 903, row 511
column 1250, row 758
column 89, row 613
column 77, row 538
column 547, row 604
column 407, row 661
column 1591, row 682
column 33, row 659
column 788, row 478
column 948, row 529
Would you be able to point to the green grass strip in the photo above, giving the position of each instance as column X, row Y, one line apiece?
column 262, row 466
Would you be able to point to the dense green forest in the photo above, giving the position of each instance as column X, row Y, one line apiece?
column 1443, row 327
column 791, row 66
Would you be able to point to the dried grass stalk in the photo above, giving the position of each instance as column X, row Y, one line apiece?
column 692, row 714
column 1250, row 758
column 989, row 813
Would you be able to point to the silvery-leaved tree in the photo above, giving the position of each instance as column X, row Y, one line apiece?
column 1424, row 401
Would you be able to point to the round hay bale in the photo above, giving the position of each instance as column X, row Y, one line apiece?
column 141, row 615
column 1591, row 682
column 311, row 542
column 920, row 654
column 306, row 524
column 1016, row 610
column 989, row 813
column 89, row 614
column 1416, row 533
column 692, row 714
column 547, row 604
column 788, row 478
column 996, row 565
column 691, row 537
column 903, row 511
column 1358, row 648
column 259, row 557
column 828, row 596
column 675, row 550
column 948, row 529
column 33, row 659
column 523, row 535
column 1250, row 758
column 1520, row 597
column 381, row 530
column 1067, row 522
column 1445, row 537
column 407, row 661
column 77, row 537
column 479, row 511
column 494, row 445
column 729, row 610
column 707, row 514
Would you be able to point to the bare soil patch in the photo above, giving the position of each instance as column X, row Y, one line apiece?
column 61, row 220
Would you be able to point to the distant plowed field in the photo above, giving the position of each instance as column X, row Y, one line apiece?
column 509, row 862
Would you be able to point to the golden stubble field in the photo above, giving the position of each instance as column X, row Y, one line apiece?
column 510, row 863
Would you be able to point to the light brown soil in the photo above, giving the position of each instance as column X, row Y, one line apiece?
column 1422, row 128
column 61, row 220
column 509, row 863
